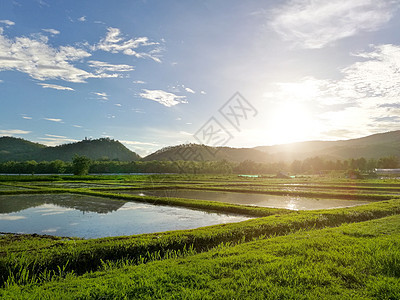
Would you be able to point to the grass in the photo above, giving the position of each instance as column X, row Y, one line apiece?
column 349, row 253
column 353, row 261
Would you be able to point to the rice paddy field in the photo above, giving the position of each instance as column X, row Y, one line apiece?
column 236, row 248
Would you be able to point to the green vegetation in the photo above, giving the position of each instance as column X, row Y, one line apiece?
column 16, row 149
column 81, row 165
column 315, row 165
column 349, row 253
column 379, row 150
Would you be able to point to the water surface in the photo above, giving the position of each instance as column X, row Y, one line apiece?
column 264, row 200
column 93, row 217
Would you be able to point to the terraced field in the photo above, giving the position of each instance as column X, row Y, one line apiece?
column 340, row 253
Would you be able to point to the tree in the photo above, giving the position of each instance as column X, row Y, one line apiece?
column 389, row 162
column 81, row 165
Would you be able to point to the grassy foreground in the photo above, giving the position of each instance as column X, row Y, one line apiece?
column 349, row 253
column 353, row 261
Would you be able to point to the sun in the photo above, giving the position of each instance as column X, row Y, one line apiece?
column 289, row 123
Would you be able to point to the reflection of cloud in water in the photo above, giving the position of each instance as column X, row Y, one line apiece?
column 132, row 206
column 11, row 218
column 50, row 209
column 51, row 230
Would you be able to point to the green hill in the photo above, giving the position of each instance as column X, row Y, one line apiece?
column 21, row 150
column 198, row 152
column 373, row 146
column 12, row 148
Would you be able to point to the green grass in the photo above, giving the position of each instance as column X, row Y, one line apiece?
column 354, row 261
column 349, row 253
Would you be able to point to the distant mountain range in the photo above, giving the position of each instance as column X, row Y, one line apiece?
column 373, row 146
column 21, row 150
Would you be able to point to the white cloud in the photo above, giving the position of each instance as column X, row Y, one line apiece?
column 103, row 66
column 185, row 133
column 52, row 31
column 13, row 131
column 55, row 86
column 82, row 19
column 138, row 110
column 56, row 136
column 189, row 90
column 102, row 95
column 35, row 57
column 53, row 120
column 379, row 75
column 27, row 118
column 364, row 101
column 162, row 97
column 7, row 22
column 203, row 92
column 54, row 140
column 114, row 42
column 318, row 23
column 39, row 60
column 139, row 82
column 77, row 126
column 117, row 104
column 138, row 143
column 1, row 81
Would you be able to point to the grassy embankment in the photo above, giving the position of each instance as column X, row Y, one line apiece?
column 357, row 261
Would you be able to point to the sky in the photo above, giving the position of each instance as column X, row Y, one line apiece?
column 235, row 73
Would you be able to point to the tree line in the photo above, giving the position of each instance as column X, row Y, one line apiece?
column 82, row 165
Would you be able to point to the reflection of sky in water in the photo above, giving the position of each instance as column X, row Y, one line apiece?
column 50, row 209
column 263, row 200
column 11, row 217
column 130, row 218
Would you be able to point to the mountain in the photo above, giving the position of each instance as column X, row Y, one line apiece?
column 12, row 148
column 21, row 150
column 373, row 146
column 198, row 152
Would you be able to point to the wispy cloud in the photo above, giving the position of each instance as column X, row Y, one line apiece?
column 162, row 97
column 7, row 22
column 56, row 136
column 114, row 42
column 9, row 132
column 82, row 19
column 77, row 126
column 189, row 90
column 318, row 23
column 55, row 86
column 103, row 66
column 52, row 31
column 139, row 82
column 138, row 143
column 53, row 119
column 102, row 95
column 54, row 140
column 365, row 99
column 26, row 117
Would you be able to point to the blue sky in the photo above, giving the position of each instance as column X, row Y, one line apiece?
column 160, row 73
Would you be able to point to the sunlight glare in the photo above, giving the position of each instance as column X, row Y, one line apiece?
column 290, row 122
